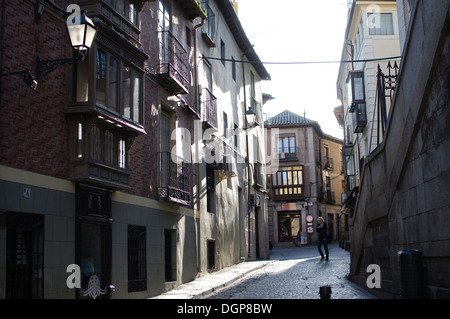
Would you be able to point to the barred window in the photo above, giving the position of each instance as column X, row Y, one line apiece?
column 137, row 258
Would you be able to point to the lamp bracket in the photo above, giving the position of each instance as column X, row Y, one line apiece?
column 45, row 67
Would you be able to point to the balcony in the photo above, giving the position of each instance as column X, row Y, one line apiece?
column 327, row 163
column 287, row 184
column 209, row 108
column 209, row 28
column 175, row 179
column 291, row 192
column 99, row 152
column 359, row 118
column 286, row 153
column 192, row 9
column 171, row 68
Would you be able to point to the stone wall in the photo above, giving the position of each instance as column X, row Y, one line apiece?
column 404, row 194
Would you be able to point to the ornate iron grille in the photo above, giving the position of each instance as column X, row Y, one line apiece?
column 386, row 84
column 175, row 181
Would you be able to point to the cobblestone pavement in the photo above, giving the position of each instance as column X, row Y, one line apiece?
column 296, row 273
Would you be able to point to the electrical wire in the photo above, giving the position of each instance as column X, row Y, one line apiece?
column 305, row 62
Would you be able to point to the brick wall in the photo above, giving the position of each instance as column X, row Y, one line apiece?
column 33, row 132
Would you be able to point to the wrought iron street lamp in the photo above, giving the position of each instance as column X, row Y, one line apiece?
column 81, row 32
column 81, row 35
column 250, row 115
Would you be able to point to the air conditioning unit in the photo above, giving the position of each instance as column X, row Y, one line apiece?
column 255, row 200
column 258, row 200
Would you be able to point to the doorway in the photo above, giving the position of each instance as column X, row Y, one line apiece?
column 93, row 241
column 170, row 265
column 289, row 226
column 24, row 256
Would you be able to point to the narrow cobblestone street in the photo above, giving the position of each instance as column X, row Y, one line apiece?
column 296, row 273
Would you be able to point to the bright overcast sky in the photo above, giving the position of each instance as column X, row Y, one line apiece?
column 293, row 31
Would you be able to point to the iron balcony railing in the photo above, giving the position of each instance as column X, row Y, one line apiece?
column 287, row 153
column 171, row 67
column 175, row 180
column 209, row 108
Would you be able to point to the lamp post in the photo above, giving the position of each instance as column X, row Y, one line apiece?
column 81, row 37
column 250, row 117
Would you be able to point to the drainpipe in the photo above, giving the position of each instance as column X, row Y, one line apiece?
column 249, row 177
column 197, row 148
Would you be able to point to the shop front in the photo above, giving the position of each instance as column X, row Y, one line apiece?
column 289, row 225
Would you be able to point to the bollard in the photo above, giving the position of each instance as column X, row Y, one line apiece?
column 325, row 292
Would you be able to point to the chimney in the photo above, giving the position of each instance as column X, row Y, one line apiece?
column 235, row 7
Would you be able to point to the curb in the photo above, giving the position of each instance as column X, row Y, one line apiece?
column 205, row 285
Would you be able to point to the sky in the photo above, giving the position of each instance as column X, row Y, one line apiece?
column 294, row 31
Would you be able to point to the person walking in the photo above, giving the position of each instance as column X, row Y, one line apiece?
column 322, row 234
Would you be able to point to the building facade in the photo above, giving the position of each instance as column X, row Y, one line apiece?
column 400, row 217
column 231, row 207
column 304, row 178
column 372, row 33
column 100, row 166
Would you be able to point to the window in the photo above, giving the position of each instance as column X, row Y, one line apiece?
column 126, row 8
column 164, row 15
column 380, row 23
column 106, row 147
column 288, row 181
column 252, row 85
column 109, row 87
column 287, row 147
column 188, row 37
column 101, row 77
column 222, row 52
column 210, row 189
column 233, row 69
column 137, row 258
column 209, row 28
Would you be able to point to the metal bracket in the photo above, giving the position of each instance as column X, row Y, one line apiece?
column 45, row 67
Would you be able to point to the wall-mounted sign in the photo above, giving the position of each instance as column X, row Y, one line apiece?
column 288, row 206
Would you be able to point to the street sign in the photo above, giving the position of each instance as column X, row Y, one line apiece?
column 309, row 218
column 310, row 230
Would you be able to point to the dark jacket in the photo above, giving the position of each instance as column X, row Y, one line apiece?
column 322, row 232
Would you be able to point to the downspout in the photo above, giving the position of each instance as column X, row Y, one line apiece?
column 249, row 177
column 197, row 148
